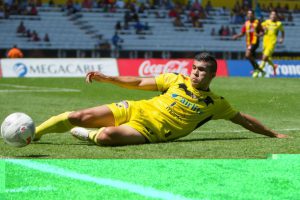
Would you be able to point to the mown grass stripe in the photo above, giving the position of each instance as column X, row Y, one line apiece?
column 122, row 185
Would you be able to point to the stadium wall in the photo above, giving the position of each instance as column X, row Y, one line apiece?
column 133, row 67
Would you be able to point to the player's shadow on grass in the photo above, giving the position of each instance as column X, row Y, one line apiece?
column 210, row 139
column 33, row 156
column 58, row 144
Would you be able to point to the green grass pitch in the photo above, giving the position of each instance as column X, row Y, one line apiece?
column 273, row 101
column 138, row 179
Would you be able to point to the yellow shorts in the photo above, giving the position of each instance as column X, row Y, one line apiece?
column 130, row 113
column 268, row 50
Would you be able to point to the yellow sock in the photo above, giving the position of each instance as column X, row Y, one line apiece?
column 93, row 135
column 56, row 124
column 262, row 64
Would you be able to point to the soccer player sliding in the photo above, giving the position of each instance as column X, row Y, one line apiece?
column 186, row 103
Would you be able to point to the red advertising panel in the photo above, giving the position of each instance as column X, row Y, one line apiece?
column 154, row 67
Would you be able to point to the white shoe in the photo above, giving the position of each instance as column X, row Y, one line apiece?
column 80, row 133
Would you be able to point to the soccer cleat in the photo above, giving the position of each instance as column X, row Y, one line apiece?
column 80, row 133
column 274, row 69
column 255, row 73
column 37, row 138
column 263, row 74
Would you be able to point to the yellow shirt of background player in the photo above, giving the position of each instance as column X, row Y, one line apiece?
column 179, row 110
column 271, row 32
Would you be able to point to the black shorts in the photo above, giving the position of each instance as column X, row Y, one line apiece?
column 253, row 48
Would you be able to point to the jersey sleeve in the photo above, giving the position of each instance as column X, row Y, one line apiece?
column 224, row 110
column 264, row 24
column 281, row 27
column 243, row 29
column 164, row 81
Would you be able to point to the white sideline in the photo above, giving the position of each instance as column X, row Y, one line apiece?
column 122, row 185
column 30, row 189
column 241, row 131
column 35, row 89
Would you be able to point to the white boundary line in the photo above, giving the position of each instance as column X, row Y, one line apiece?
column 30, row 189
column 122, row 185
column 36, row 89
column 241, row 131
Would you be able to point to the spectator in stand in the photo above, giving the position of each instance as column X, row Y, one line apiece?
column 15, row 52
column 286, row 8
column 208, row 7
column 258, row 11
column 21, row 28
column 28, row 34
column 119, row 4
column 290, row 17
column 139, row 27
column 278, row 8
column 46, row 38
column 35, row 37
column 296, row 9
column 116, row 41
column 38, row 3
column 173, row 13
column 135, row 17
column 118, row 26
column 220, row 32
column 127, row 17
column 146, row 27
column 142, row 8
column 226, row 31
column 213, row 31
column 87, row 4
column 196, row 5
column 33, row 10
column 51, row 3
column 2, row 13
column 177, row 22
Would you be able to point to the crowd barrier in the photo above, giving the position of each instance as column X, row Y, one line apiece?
column 134, row 67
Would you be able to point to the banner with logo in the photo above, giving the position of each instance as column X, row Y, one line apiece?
column 285, row 68
column 154, row 67
column 67, row 67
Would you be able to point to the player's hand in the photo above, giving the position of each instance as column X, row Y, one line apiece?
column 97, row 76
column 234, row 37
column 280, row 40
column 281, row 136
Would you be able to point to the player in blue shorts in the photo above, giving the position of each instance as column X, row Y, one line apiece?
column 186, row 103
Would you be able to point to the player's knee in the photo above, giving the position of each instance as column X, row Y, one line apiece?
column 76, row 117
column 107, row 136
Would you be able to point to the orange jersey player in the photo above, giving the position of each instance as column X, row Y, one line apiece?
column 253, row 30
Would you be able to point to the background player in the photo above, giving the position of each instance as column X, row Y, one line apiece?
column 271, row 28
column 253, row 30
column 186, row 103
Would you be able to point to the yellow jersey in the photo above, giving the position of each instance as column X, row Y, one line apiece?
column 271, row 31
column 178, row 111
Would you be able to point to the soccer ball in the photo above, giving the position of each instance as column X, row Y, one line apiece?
column 17, row 129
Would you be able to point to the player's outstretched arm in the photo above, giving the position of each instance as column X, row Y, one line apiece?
column 235, row 37
column 282, row 37
column 252, row 124
column 123, row 81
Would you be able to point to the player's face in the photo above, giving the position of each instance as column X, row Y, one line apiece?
column 250, row 15
column 273, row 16
column 201, row 75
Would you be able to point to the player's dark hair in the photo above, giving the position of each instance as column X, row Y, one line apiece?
column 206, row 57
